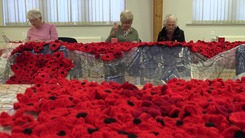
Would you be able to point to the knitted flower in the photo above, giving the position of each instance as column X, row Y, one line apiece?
column 238, row 119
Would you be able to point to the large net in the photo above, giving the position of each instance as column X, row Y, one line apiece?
column 156, row 65
column 222, row 66
column 140, row 65
column 145, row 64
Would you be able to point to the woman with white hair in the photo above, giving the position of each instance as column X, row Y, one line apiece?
column 124, row 32
column 40, row 31
column 170, row 30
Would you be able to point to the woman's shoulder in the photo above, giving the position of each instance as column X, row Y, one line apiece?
column 133, row 29
column 178, row 29
column 48, row 24
column 163, row 31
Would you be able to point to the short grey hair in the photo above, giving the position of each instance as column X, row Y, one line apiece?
column 33, row 14
column 126, row 15
column 170, row 16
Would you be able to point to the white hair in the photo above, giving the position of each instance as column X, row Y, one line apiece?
column 126, row 15
column 33, row 14
column 170, row 16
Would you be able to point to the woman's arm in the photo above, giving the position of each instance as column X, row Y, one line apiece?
column 133, row 36
column 53, row 33
column 159, row 38
column 113, row 32
column 182, row 36
column 137, row 39
column 108, row 39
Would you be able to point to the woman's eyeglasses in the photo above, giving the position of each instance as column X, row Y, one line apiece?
column 33, row 20
column 128, row 22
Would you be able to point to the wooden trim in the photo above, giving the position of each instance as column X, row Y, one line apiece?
column 157, row 18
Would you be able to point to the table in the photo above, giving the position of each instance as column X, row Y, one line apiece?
column 8, row 95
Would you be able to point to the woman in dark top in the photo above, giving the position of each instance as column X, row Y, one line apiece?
column 170, row 30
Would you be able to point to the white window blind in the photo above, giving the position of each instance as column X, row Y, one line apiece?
column 218, row 11
column 64, row 12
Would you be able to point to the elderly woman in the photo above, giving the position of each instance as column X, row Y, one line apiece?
column 170, row 30
column 40, row 31
column 124, row 32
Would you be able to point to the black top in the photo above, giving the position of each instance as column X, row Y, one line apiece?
column 178, row 35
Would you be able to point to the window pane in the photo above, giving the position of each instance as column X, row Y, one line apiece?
column 64, row 11
column 218, row 11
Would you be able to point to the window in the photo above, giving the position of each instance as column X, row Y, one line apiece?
column 218, row 11
column 64, row 12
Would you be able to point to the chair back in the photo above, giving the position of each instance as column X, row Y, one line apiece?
column 67, row 39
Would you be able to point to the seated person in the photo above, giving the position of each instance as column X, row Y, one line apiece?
column 124, row 32
column 170, row 30
column 40, row 31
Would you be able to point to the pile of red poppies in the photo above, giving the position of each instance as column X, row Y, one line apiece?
column 30, row 68
column 63, row 108
column 108, row 52
column 57, row 107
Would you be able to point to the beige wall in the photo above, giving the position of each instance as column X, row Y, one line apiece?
column 143, row 11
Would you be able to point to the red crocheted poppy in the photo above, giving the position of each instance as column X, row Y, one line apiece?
column 54, row 46
column 238, row 119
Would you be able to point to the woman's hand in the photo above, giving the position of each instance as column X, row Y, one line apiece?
column 115, row 29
